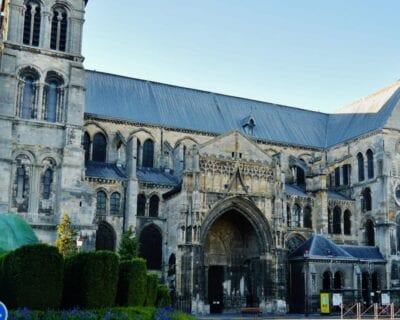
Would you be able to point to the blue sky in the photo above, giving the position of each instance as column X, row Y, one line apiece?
column 311, row 54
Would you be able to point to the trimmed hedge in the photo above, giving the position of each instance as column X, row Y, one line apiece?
column 151, row 290
column 91, row 280
column 32, row 277
column 163, row 296
column 126, row 283
column 139, row 283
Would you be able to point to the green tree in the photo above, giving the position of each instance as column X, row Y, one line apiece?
column 129, row 245
column 66, row 242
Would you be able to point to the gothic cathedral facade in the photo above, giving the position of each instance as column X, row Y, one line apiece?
column 235, row 202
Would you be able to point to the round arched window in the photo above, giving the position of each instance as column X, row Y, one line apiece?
column 397, row 194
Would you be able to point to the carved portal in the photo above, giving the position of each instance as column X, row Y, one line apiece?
column 232, row 260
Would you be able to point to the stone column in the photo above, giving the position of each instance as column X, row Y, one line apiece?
column 132, row 187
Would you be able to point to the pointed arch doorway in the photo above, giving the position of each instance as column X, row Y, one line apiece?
column 235, row 243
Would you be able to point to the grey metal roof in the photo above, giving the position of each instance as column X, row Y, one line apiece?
column 104, row 170
column 144, row 175
column 333, row 195
column 319, row 247
column 161, row 104
column 363, row 252
column 295, row 190
column 130, row 99
column 156, row 176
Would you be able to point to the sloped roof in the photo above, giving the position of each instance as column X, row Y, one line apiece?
column 295, row 190
column 130, row 99
column 365, row 115
column 114, row 172
column 363, row 252
column 319, row 247
column 149, row 102
column 156, row 176
column 333, row 195
column 104, row 170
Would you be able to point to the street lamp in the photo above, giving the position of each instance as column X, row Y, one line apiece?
column 79, row 242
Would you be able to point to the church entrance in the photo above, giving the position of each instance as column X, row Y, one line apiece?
column 215, row 288
column 232, row 257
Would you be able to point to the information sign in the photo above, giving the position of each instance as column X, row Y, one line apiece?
column 325, row 304
column 385, row 299
column 337, row 299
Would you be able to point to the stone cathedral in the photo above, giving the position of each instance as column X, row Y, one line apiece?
column 235, row 202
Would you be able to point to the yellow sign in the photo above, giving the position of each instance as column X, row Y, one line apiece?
column 325, row 305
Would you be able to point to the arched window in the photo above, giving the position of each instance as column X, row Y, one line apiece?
column 337, row 177
column 27, row 94
column 22, row 180
column 300, row 176
column 148, row 154
column 346, row 174
column 151, row 247
column 326, row 281
column 99, row 148
column 21, row 188
column 171, row 265
column 398, row 232
column 329, row 220
column 138, row 154
column 59, row 26
column 347, row 222
column 115, row 204
column 47, row 181
column 32, row 19
column 288, row 216
column 337, row 220
column 105, row 237
column 360, row 160
column 184, row 158
column 307, row 218
column 375, row 286
column 369, row 233
column 366, row 204
column 296, row 216
column 153, row 209
column 370, row 162
column 337, row 280
column 294, row 242
column 365, row 287
column 101, row 205
column 141, row 204
column 395, row 271
column 86, row 145
column 53, row 96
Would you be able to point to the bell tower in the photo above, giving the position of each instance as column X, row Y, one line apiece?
column 42, row 96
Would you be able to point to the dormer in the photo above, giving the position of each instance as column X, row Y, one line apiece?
column 248, row 125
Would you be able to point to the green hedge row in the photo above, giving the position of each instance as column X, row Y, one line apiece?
column 91, row 279
column 132, row 282
column 32, row 277
column 37, row 277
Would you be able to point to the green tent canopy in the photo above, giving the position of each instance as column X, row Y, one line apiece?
column 14, row 232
